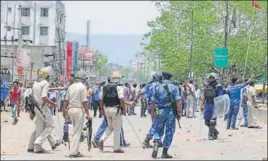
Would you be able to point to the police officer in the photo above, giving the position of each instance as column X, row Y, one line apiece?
column 44, row 120
column 210, row 92
column 112, row 98
column 143, row 102
column 164, row 94
column 147, row 91
column 76, row 101
column 104, row 125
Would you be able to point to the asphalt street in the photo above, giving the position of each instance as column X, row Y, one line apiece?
column 190, row 142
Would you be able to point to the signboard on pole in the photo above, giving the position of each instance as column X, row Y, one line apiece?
column 23, row 57
column 220, row 57
column 69, row 59
column 75, row 56
column 87, row 56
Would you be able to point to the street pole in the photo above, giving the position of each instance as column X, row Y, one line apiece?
column 191, row 40
column 226, row 29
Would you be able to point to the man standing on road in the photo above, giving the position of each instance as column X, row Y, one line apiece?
column 244, row 104
column 95, row 101
column 103, row 126
column 252, row 106
column 165, row 94
column 112, row 97
column 127, row 96
column 89, row 96
column 147, row 91
column 190, row 91
column 133, row 95
column 15, row 101
column 198, row 97
column 44, row 120
column 76, row 101
column 234, row 91
column 210, row 92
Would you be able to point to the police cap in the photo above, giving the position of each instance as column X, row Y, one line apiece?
column 167, row 75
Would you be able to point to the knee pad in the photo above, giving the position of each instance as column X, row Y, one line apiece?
column 213, row 122
column 207, row 122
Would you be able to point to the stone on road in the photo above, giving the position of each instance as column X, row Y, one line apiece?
column 190, row 142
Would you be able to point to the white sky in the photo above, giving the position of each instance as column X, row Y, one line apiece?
column 109, row 17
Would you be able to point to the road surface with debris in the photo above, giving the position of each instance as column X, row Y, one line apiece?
column 190, row 142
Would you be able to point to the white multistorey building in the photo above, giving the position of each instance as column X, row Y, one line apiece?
column 35, row 25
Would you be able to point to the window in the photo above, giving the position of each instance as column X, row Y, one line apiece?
column 25, row 30
column 25, row 12
column 44, row 12
column 9, row 9
column 43, row 31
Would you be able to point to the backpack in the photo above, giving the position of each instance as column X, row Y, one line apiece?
column 210, row 92
column 110, row 96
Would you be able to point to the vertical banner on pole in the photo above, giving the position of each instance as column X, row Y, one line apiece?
column 75, row 56
column 69, row 59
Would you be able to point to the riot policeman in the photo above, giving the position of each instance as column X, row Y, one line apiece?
column 164, row 94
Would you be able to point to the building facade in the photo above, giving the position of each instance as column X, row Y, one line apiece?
column 36, row 25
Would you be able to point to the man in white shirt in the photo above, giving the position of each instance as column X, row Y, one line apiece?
column 198, row 97
column 112, row 97
column 44, row 120
column 252, row 106
column 76, row 101
column 190, row 91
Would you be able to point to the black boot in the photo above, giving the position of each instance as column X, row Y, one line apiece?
column 165, row 154
column 155, row 150
column 146, row 143
column 210, row 134
column 216, row 133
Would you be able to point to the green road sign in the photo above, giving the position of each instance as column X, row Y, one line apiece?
column 220, row 57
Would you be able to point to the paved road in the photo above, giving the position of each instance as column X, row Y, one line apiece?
column 189, row 142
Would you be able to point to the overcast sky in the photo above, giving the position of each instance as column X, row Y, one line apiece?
column 115, row 17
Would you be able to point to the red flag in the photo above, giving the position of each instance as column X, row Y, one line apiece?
column 255, row 4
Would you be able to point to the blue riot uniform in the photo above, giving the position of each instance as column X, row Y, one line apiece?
column 235, row 97
column 165, row 118
column 147, row 91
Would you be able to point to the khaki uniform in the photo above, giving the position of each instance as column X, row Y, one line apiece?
column 114, row 120
column 76, row 95
column 44, row 121
column 190, row 101
column 252, row 120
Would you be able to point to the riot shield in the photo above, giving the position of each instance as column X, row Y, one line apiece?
column 222, row 104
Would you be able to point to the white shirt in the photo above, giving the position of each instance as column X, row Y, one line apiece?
column 198, row 93
column 40, row 90
column 27, row 92
column 191, row 89
column 76, row 95
column 251, row 93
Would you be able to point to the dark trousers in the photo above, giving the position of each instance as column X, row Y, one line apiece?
column 143, row 107
column 52, row 108
column 96, row 107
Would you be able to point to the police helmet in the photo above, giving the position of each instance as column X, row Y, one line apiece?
column 167, row 75
column 80, row 75
column 116, row 77
column 45, row 73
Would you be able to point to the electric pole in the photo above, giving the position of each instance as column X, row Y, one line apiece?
column 226, row 29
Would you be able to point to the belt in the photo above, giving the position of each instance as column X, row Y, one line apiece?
column 116, row 106
column 164, row 107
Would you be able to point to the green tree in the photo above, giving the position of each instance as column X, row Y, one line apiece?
column 170, row 35
column 100, row 61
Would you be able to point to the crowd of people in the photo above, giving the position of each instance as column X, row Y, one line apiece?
column 164, row 100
